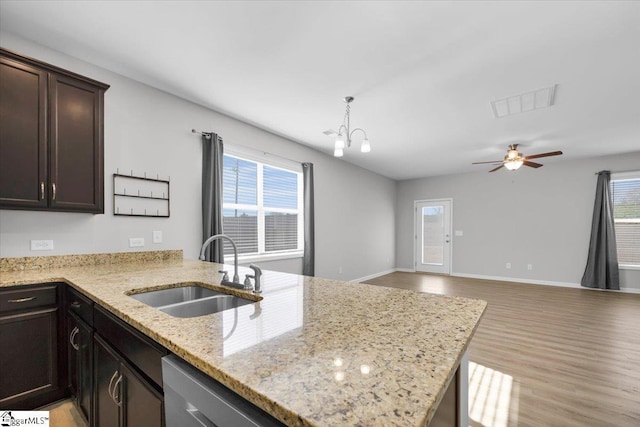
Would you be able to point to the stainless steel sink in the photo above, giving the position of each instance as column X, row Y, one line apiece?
column 204, row 306
column 190, row 301
column 174, row 295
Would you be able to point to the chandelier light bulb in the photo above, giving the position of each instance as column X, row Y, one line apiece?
column 365, row 147
column 338, row 152
column 340, row 142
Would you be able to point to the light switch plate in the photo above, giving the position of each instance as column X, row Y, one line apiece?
column 136, row 242
column 157, row 236
column 459, row 233
column 42, row 245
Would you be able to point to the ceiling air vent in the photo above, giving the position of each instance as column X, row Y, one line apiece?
column 525, row 102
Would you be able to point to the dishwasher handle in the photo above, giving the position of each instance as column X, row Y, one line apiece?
column 200, row 418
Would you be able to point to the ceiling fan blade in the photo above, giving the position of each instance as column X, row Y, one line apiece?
column 531, row 164
column 482, row 163
column 499, row 167
column 537, row 156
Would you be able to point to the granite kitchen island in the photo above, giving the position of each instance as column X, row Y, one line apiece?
column 309, row 351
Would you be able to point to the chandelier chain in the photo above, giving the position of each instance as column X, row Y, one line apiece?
column 347, row 121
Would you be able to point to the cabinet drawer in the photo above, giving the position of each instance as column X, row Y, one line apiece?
column 80, row 305
column 24, row 297
column 144, row 353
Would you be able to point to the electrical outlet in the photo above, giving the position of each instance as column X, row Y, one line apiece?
column 42, row 245
column 157, row 236
column 508, row 266
column 529, row 266
column 136, row 242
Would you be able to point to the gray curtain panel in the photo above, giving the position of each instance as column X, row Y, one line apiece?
column 212, row 165
column 308, row 260
column 602, row 262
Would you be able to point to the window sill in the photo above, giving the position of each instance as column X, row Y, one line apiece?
column 628, row 267
column 244, row 259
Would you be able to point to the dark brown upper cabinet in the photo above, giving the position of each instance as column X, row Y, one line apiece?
column 51, row 137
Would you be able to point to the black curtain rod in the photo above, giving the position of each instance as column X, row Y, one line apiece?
column 264, row 153
column 205, row 134
column 612, row 172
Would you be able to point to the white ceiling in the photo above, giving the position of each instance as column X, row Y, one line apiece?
column 423, row 73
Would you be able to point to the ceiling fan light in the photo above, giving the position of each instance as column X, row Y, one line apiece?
column 512, row 154
column 365, row 147
column 513, row 164
column 338, row 152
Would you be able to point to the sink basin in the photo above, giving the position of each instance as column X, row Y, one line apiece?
column 174, row 295
column 190, row 301
column 204, row 306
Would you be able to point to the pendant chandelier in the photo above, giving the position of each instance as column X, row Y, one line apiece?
column 344, row 134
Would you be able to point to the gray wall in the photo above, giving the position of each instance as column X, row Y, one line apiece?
column 359, row 229
column 147, row 130
column 540, row 217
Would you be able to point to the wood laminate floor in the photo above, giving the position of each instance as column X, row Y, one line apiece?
column 64, row 414
column 545, row 355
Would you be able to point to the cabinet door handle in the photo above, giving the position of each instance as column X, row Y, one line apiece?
column 42, row 191
column 116, row 397
column 72, row 337
column 75, row 304
column 19, row 300
column 113, row 377
column 53, row 188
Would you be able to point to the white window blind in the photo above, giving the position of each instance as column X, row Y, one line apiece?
column 262, row 209
column 625, row 193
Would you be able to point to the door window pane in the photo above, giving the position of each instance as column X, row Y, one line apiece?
column 433, row 235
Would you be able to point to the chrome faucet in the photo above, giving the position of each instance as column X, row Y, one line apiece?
column 225, row 279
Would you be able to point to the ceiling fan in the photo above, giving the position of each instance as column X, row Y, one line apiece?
column 514, row 159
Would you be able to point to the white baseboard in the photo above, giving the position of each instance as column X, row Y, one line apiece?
column 542, row 282
column 503, row 279
column 518, row 280
column 373, row 276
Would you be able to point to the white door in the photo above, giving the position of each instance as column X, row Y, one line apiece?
column 433, row 236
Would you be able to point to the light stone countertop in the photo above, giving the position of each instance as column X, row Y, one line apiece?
column 311, row 352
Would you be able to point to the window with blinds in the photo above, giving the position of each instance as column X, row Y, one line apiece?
column 625, row 194
column 262, row 209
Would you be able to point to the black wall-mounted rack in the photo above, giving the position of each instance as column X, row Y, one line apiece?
column 140, row 196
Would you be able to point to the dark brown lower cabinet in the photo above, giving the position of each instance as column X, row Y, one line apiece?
column 32, row 365
column 80, row 358
column 122, row 396
column 55, row 341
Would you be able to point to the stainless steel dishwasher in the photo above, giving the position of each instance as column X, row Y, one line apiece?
column 192, row 398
